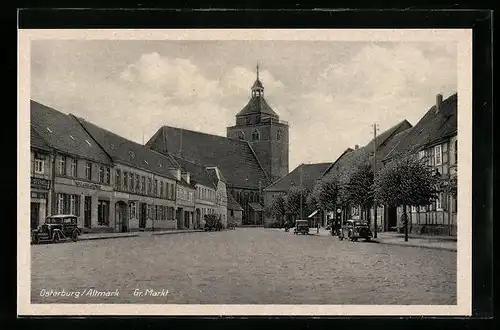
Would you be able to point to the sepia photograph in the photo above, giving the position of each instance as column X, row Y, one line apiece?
column 233, row 171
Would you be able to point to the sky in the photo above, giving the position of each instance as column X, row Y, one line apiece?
column 330, row 92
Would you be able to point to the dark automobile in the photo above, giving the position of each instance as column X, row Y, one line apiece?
column 356, row 229
column 301, row 227
column 57, row 228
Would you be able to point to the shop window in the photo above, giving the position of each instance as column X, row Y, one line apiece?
column 103, row 213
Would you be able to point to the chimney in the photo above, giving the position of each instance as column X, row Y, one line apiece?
column 187, row 177
column 356, row 147
column 439, row 101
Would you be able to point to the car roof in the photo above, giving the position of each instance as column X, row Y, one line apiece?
column 62, row 216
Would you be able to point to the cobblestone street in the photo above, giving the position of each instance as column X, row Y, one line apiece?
column 243, row 266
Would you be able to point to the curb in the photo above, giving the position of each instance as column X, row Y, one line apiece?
column 106, row 237
column 176, row 232
column 418, row 246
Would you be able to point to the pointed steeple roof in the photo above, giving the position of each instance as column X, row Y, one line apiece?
column 257, row 103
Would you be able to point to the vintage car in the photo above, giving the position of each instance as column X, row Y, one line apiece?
column 356, row 229
column 57, row 228
column 301, row 227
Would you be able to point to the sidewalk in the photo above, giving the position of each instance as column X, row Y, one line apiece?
column 392, row 238
column 94, row 236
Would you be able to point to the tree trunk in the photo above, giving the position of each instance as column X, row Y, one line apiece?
column 405, row 217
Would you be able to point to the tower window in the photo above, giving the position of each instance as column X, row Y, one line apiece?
column 279, row 134
column 255, row 135
column 248, row 120
column 241, row 135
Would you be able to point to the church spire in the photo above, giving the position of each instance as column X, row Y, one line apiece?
column 257, row 88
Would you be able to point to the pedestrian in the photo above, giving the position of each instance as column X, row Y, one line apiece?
column 317, row 227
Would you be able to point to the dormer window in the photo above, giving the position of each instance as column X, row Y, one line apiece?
column 72, row 138
column 255, row 135
column 146, row 161
column 88, row 143
column 48, row 129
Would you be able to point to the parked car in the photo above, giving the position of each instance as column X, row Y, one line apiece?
column 301, row 227
column 356, row 229
column 57, row 228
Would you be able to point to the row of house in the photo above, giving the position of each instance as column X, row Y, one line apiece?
column 433, row 139
column 114, row 184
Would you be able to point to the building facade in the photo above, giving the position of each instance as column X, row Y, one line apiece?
column 220, row 194
column 41, row 179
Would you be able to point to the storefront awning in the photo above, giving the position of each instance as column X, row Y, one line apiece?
column 256, row 207
column 313, row 214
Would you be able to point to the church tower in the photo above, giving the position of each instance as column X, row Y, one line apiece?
column 258, row 124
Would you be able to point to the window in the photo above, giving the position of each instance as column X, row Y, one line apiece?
column 232, row 213
column 150, row 186
column 60, row 203
column 108, row 175
column 73, row 168
column 101, row 174
column 155, row 187
column 131, row 181
column 413, row 209
column 72, row 204
column 118, row 180
column 421, row 154
column 279, row 135
column 39, row 165
column 161, row 188
column 88, row 171
column 132, row 209
column 61, row 165
column 125, row 180
column 137, row 182
column 439, row 205
column 255, row 135
column 248, row 120
column 422, row 209
column 438, row 155
column 143, row 186
column 456, row 151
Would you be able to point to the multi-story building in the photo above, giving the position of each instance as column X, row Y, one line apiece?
column 185, row 200
column 144, row 185
column 205, row 191
column 80, row 169
column 220, row 193
column 41, row 179
column 434, row 140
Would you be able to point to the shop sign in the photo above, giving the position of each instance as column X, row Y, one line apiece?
column 40, row 183
column 88, row 185
column 121, row 195
column 39, row 195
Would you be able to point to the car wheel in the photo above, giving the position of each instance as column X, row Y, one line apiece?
column 56, row 238
column 74, row 236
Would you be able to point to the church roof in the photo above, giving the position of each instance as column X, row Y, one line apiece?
column 310, row 173
column 234, row 158
column 256, row 105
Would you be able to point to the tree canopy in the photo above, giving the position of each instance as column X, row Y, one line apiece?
column 293, row 200
column 360, row 189
column 324, row 194
column 278, row 207
column 406, row 181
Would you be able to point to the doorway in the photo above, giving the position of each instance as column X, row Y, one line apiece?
column 121, row 217
column 142, row 215
column 35, row 214
column 87, row 211
column 392, row 219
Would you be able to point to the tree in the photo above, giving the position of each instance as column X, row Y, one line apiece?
column 406, row 181
column 277, row 209
column 360, row 187
column 324, row 194
column 293, row 199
